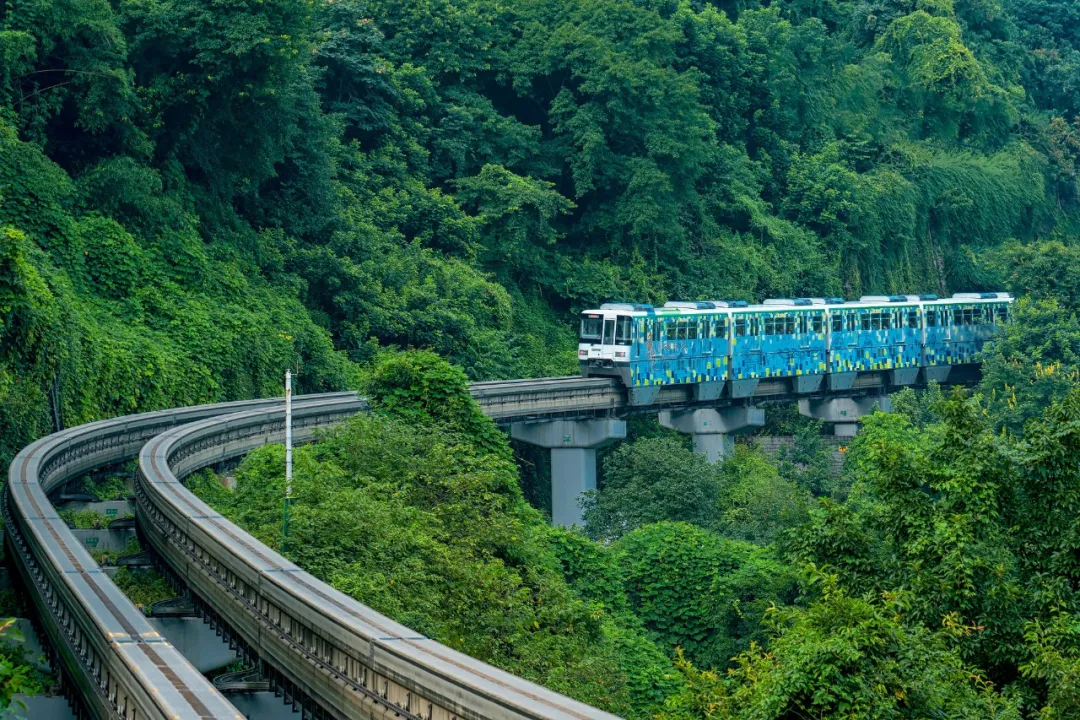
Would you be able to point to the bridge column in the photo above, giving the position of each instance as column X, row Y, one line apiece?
column 573, row 446
column 844, row 414
column 712, row 428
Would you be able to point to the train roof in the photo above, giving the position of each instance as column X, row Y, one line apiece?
column 680, row 307
column 974, row 298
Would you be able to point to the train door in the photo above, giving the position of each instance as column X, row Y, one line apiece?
column 746, row 347
column 876, row 337
column 844, row 351
column 935, row 335
column 607, row 343
column 910, row 336
column 691, row 347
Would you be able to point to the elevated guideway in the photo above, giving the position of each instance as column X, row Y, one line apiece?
column 330, row 655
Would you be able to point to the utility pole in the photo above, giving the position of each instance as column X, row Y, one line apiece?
column 288, row 460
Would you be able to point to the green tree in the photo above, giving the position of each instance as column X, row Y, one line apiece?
column 651, row 480
column 669, row 571
column 756, row 502
column 1033, row 362
column 844, row 656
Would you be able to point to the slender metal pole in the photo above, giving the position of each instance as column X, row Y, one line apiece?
column 288, row 460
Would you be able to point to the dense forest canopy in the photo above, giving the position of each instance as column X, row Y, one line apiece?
column 195, row 193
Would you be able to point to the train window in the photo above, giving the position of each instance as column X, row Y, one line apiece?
column 624, row 327
column 913, row 319
column 865, row 318
column 609, row 332
column 591, row 326
column 838, row 323
column 931, row 318
column 740, row 327
column 1003, row 313
column 886, row 320
column 770, row 326
column 791, row 325
column 692, row 329
column 875, row 321
column 819, row 323
column 957, row 316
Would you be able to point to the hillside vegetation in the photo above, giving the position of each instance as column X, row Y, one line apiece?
column 196, row 193
column 937, row 582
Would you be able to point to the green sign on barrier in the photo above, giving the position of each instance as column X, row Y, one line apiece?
column 92, row 542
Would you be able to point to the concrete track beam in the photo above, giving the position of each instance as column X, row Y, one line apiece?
column 573, row 445
column 712, row 428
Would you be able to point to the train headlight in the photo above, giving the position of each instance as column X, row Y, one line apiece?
column 582, row 353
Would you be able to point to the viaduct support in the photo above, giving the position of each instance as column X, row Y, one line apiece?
column 573, row 446
column 712, row 428
column 844, row 414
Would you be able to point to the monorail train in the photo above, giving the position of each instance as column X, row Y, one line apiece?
column 717, row 343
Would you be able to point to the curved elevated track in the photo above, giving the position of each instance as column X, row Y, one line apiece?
column 328, row 654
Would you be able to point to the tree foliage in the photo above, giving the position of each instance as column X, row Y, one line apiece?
column 659, row 479
column 196, row 195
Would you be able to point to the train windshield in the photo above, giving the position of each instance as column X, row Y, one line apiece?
column 591, row 328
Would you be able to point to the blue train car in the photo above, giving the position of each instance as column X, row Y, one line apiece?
column 779, row 339
column 718, row 345
column 957, row 328
column 691, row 343
column 876, row 333
column 648, row 348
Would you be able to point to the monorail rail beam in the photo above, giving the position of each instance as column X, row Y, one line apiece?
column 332, row 654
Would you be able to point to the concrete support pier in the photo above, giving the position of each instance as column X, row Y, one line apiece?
column 844, row 414
column 573, row 446
column 712, row 428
